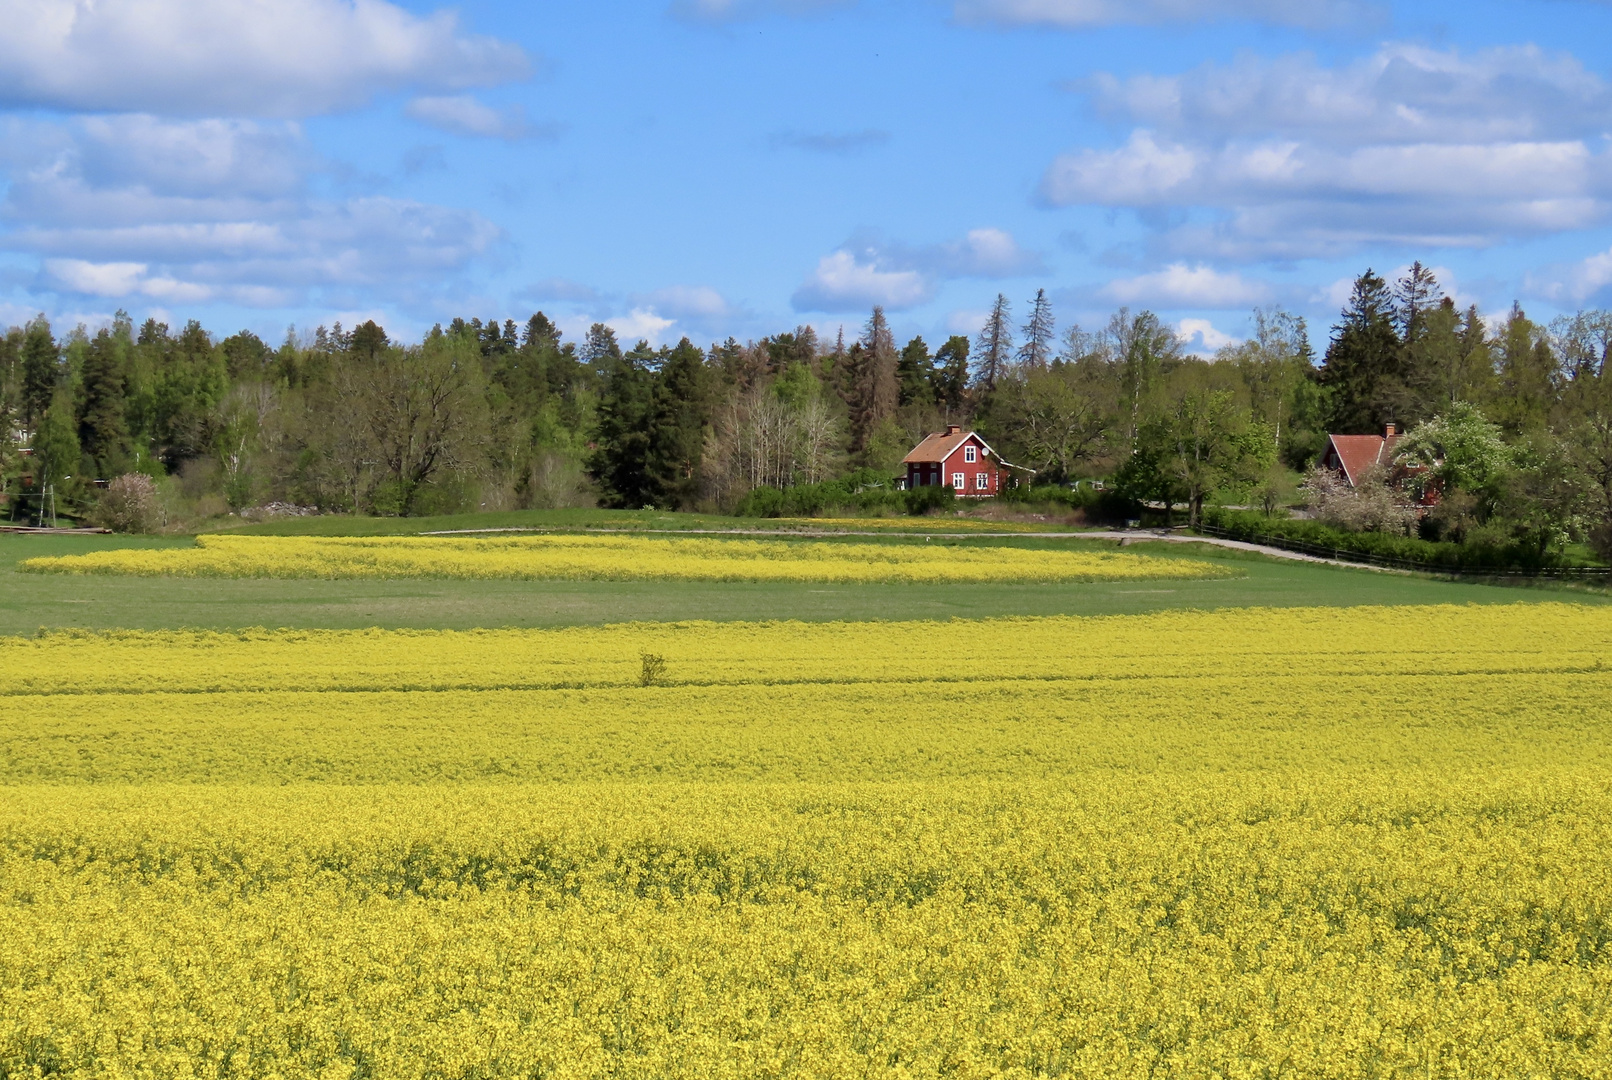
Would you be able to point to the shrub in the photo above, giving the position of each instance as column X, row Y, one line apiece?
column 1096, row 506
column 130, row 505
column 864, row 491
column 1480, row 555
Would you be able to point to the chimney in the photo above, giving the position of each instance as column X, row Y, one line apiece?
column 1390, row 430
column 953, row 429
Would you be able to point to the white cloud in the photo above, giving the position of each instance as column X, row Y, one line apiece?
column 220, row 216
column 1181, row 286
column 984, row 253
column 869, row 269
column 1073, row 14
column 1288, row 159
column 700, row 302
column 461, row 114
column 1573, row 282
column 262, row 58
column 1200, row 336
column 640, row 324
column 1401, row 93
column 842, row 282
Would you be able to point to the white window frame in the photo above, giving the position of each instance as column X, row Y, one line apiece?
column 959, row 481
column 982, row 481
column 970, row 454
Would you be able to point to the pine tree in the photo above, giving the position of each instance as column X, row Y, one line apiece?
column 951, row 375
column 368, row 340
column 1036, row 352
column 915, row 372
column 995, row 344
column 41, row 370
column 599, row 350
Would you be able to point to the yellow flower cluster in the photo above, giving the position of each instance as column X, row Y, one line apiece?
column 617, row 558
column 1344, row 842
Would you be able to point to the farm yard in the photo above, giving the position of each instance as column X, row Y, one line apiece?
column 1173, row 822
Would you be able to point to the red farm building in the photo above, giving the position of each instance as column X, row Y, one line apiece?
column 958, row 458
column 1352, row 456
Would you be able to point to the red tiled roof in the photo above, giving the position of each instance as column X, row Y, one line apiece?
column 1357, row 453
column 940, row 446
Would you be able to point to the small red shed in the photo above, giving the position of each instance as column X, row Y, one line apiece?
column 958, row 458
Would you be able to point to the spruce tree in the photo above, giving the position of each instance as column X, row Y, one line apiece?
column 877, row 393
column 102, row 425
column 678, row 424
column 995, row 344
column 1361, row 369
column 41, row 369
column 1036, row 352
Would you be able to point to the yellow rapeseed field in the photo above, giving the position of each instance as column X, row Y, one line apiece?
column 617, row 558
column 1360, row 842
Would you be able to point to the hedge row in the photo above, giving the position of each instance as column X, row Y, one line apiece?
column 1255, row 527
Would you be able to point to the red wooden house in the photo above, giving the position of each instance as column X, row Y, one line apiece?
column 958, row 458
column 1353, row 455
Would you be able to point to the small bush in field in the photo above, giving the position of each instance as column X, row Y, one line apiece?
column 130, row 505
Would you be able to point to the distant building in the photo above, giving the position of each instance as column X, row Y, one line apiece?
column 957, row 458
column 1352, row 456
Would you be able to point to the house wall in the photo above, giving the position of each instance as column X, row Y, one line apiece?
column 927, row 474
column 956, row 463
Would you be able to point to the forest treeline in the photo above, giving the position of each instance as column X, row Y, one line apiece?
column 502, row 415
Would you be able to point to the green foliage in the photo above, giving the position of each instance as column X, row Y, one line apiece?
column 1253, row 527
column 1459, row 448
column 863, row 491
column 56, row 445
column 41, row 371
column 1362, row 369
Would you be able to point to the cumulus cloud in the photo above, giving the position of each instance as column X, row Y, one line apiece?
column 1200, row 336
column 843, row 282
column 1181, row 286
column 869, row 269
column 640, row 324
column 1573, row 282
column 188, row 212
column 247, row 58
column 461, row 114
column 689, row 302
column 1075, row 14
column 1289, row 159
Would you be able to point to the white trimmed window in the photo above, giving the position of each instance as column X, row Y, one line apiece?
column 959, row 480
column 969, row 454
column 982, row 481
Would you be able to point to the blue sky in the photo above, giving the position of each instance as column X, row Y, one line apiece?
column 708, row 167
